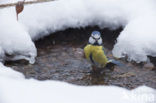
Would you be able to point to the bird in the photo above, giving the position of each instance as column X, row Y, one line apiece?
column 94, row 52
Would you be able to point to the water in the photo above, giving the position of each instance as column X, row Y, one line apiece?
column 60, row 58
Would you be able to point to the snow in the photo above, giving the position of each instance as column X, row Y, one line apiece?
column 14, row 40
column 39, row 20
column 14, row 88
column 137, row 40
column 9, row 73
column 137, row 44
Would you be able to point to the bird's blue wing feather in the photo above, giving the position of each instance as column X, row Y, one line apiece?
column 103, row 49
column 118, row 63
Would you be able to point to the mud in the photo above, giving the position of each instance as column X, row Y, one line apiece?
column 60, row 58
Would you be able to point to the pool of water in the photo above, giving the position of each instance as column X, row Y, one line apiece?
column 60, row 58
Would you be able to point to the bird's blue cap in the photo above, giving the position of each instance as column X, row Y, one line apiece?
column 96, row 32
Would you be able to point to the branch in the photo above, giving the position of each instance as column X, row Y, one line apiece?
column 25, row 3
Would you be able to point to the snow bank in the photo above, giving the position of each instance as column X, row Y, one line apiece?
column 15, row 89
column 138, row 39
column 15, row 42
column 59, row 15
column 135, row 16
column 7, row 72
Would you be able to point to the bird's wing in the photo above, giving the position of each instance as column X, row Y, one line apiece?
column 100, row 57
column 87, row 51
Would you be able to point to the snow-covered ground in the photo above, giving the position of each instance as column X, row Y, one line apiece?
column 15, row 89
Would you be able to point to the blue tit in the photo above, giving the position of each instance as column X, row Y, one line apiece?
column 94, row 51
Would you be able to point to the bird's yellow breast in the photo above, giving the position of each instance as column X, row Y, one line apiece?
column 96, row 55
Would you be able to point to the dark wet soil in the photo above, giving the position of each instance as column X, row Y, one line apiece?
column 60, row 58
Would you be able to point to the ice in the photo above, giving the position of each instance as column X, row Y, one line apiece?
column 14, row 88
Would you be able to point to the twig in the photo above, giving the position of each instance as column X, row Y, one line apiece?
column 25, row 3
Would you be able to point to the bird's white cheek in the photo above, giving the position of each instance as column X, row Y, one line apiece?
column 91, row 40
column 100, row 41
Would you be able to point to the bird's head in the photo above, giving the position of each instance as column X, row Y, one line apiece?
column 95, row 38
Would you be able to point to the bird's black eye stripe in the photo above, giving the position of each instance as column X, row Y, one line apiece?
column 95, row 38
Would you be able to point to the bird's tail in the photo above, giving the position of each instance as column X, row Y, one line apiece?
column 115, row 62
